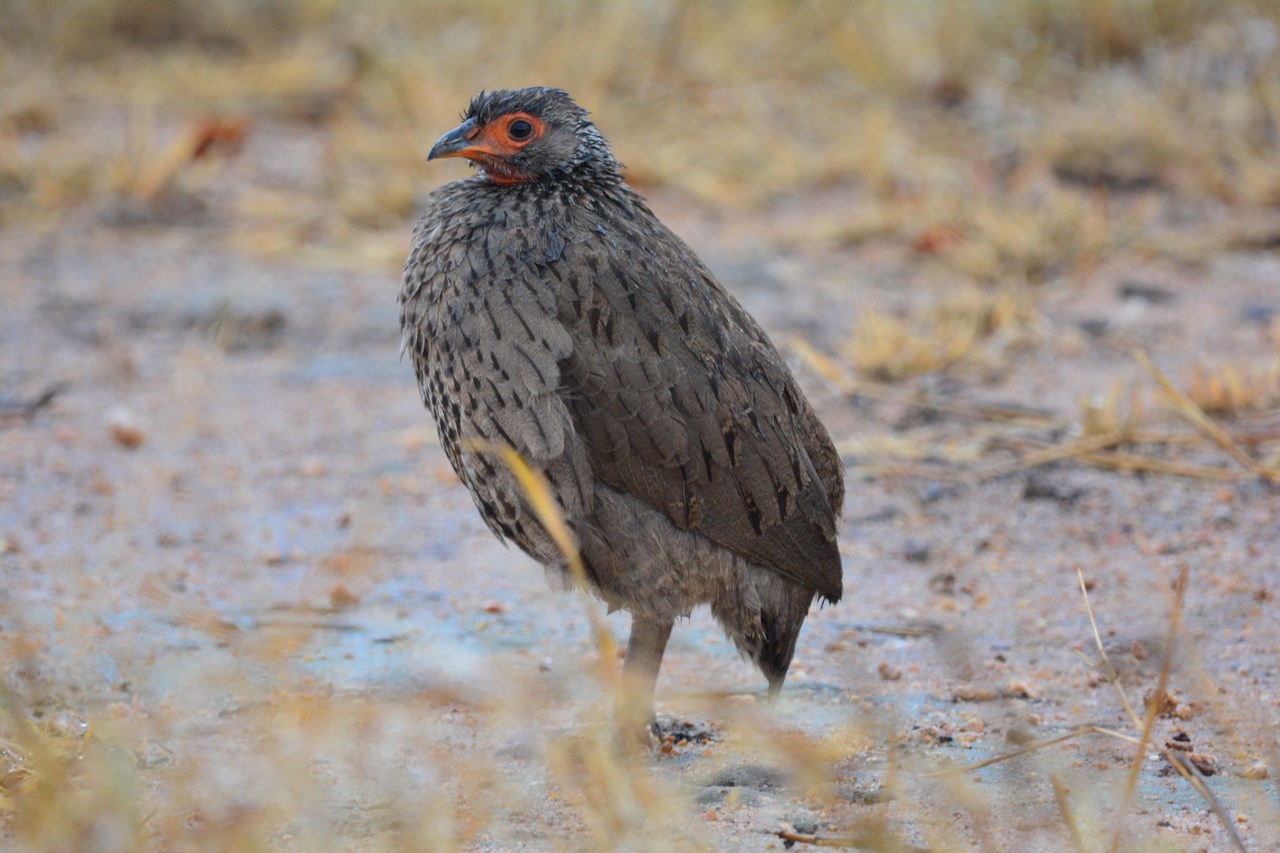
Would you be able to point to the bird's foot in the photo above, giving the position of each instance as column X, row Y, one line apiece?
column 674, row 734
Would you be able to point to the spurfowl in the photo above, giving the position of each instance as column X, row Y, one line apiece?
column 546, row 309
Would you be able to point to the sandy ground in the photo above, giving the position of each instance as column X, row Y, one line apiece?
column 236, row 499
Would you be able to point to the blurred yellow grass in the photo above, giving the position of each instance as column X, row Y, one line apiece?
column 967, row 326
column 1000, row 120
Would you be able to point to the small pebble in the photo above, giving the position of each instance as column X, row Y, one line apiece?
column 1020, row 689
column 1256, row 771
column 1260, row 313
column 1204, row 762
column 341, row 598
column 124, row 428
column 313, row 467
column 916, row 550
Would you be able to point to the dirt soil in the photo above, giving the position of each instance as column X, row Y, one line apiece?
column 235, row 499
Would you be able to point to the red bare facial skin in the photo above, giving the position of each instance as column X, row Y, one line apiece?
column 492, row 145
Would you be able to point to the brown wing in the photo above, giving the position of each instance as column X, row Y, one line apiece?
column 683, row 402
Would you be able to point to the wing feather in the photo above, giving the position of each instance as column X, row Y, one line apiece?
column 695, row 411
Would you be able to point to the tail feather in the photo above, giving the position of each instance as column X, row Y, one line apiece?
column 782, row 626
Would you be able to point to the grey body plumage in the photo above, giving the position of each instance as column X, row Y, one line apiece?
column 545, row 308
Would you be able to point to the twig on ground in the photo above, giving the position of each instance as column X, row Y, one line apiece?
column 925, row 630
column 13, row 408
column 865, row 841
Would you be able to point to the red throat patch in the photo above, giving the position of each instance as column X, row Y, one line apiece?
column 501, row 172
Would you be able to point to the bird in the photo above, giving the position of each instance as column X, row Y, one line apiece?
column 546, row 310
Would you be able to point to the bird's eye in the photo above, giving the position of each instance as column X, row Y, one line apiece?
column 520, row 130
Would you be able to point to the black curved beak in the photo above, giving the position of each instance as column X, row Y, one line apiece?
column 456, row 142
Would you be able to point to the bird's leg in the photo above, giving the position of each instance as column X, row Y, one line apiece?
column 645, row 646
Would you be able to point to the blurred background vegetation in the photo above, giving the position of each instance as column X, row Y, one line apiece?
column 979, row 130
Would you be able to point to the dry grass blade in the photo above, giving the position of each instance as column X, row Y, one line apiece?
column 831, row 370
column 1028, row 416
column 1097, row 639
column 1091, row 450
column 1187, row 770
column 620, row 807
column 1197, row 780
column 1069, row 818
column 544, row 506
column 1034, row 746
column 1075, row 449
column 1153, row 706
column 1130, row 462
column 1087, row 450
column 1187, row 408
column 1145, row 726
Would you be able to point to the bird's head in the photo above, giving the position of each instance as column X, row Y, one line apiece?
column 526, row 135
